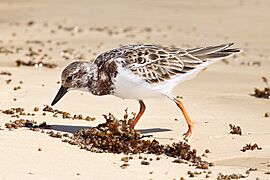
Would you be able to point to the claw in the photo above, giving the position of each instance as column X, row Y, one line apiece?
column 188, row 134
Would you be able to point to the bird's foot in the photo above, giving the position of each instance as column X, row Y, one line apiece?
column 187, row 135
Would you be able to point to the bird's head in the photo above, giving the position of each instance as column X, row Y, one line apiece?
column 76, row 75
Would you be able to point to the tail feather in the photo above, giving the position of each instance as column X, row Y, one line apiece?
column 212, row 52
column 196, row 60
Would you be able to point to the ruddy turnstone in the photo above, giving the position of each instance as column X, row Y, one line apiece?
column 139, row 72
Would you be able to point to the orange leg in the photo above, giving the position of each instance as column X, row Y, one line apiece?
column 188, row 120
column 142, row 109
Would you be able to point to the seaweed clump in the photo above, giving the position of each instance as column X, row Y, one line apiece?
column 230, row 176
column 235, row 129
column 263, row 93
column 250, row 147
column 27, row 123
column 66, row 115
column 116, row 136
column 36, row 64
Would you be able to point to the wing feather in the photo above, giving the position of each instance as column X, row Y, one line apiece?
column 156, row 64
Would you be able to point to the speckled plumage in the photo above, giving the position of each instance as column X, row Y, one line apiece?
column 156, row 64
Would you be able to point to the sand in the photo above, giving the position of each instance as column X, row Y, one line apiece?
column 219, row 96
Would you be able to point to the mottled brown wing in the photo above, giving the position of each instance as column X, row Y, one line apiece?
column 157, row 64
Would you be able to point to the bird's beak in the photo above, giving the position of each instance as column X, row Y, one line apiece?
column 62, row 91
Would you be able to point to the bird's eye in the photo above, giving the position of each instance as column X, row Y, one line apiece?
column 69, row 78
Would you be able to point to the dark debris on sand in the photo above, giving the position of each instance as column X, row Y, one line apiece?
column 116, row 136
column 27, row 123
column 250, row 147
column 263, row 93
column 35, row 64
column 66, row 115
column 267, row 114
column 230, row 176
column 5, row 73
column 16, row 112
column 235, row 129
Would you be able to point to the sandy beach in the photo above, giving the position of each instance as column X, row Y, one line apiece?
column 57, row 32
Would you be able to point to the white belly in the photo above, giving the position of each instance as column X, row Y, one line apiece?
column 130, row 86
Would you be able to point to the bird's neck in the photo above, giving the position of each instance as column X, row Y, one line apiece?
column 102, row 83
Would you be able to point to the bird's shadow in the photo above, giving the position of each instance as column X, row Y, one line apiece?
column 73, row 129
column 153, row 130
column 68, row 128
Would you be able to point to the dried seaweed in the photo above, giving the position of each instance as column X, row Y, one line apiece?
column 116, row 136
column 230, row 176
column 263, row 93
column 16, row 112
column 35, row 64
column 66, row 115
column 26, row 123
column 5, row 73
column 235, row 129
column 251, row 147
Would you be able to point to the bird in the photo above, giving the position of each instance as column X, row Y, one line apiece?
column 141, row 71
